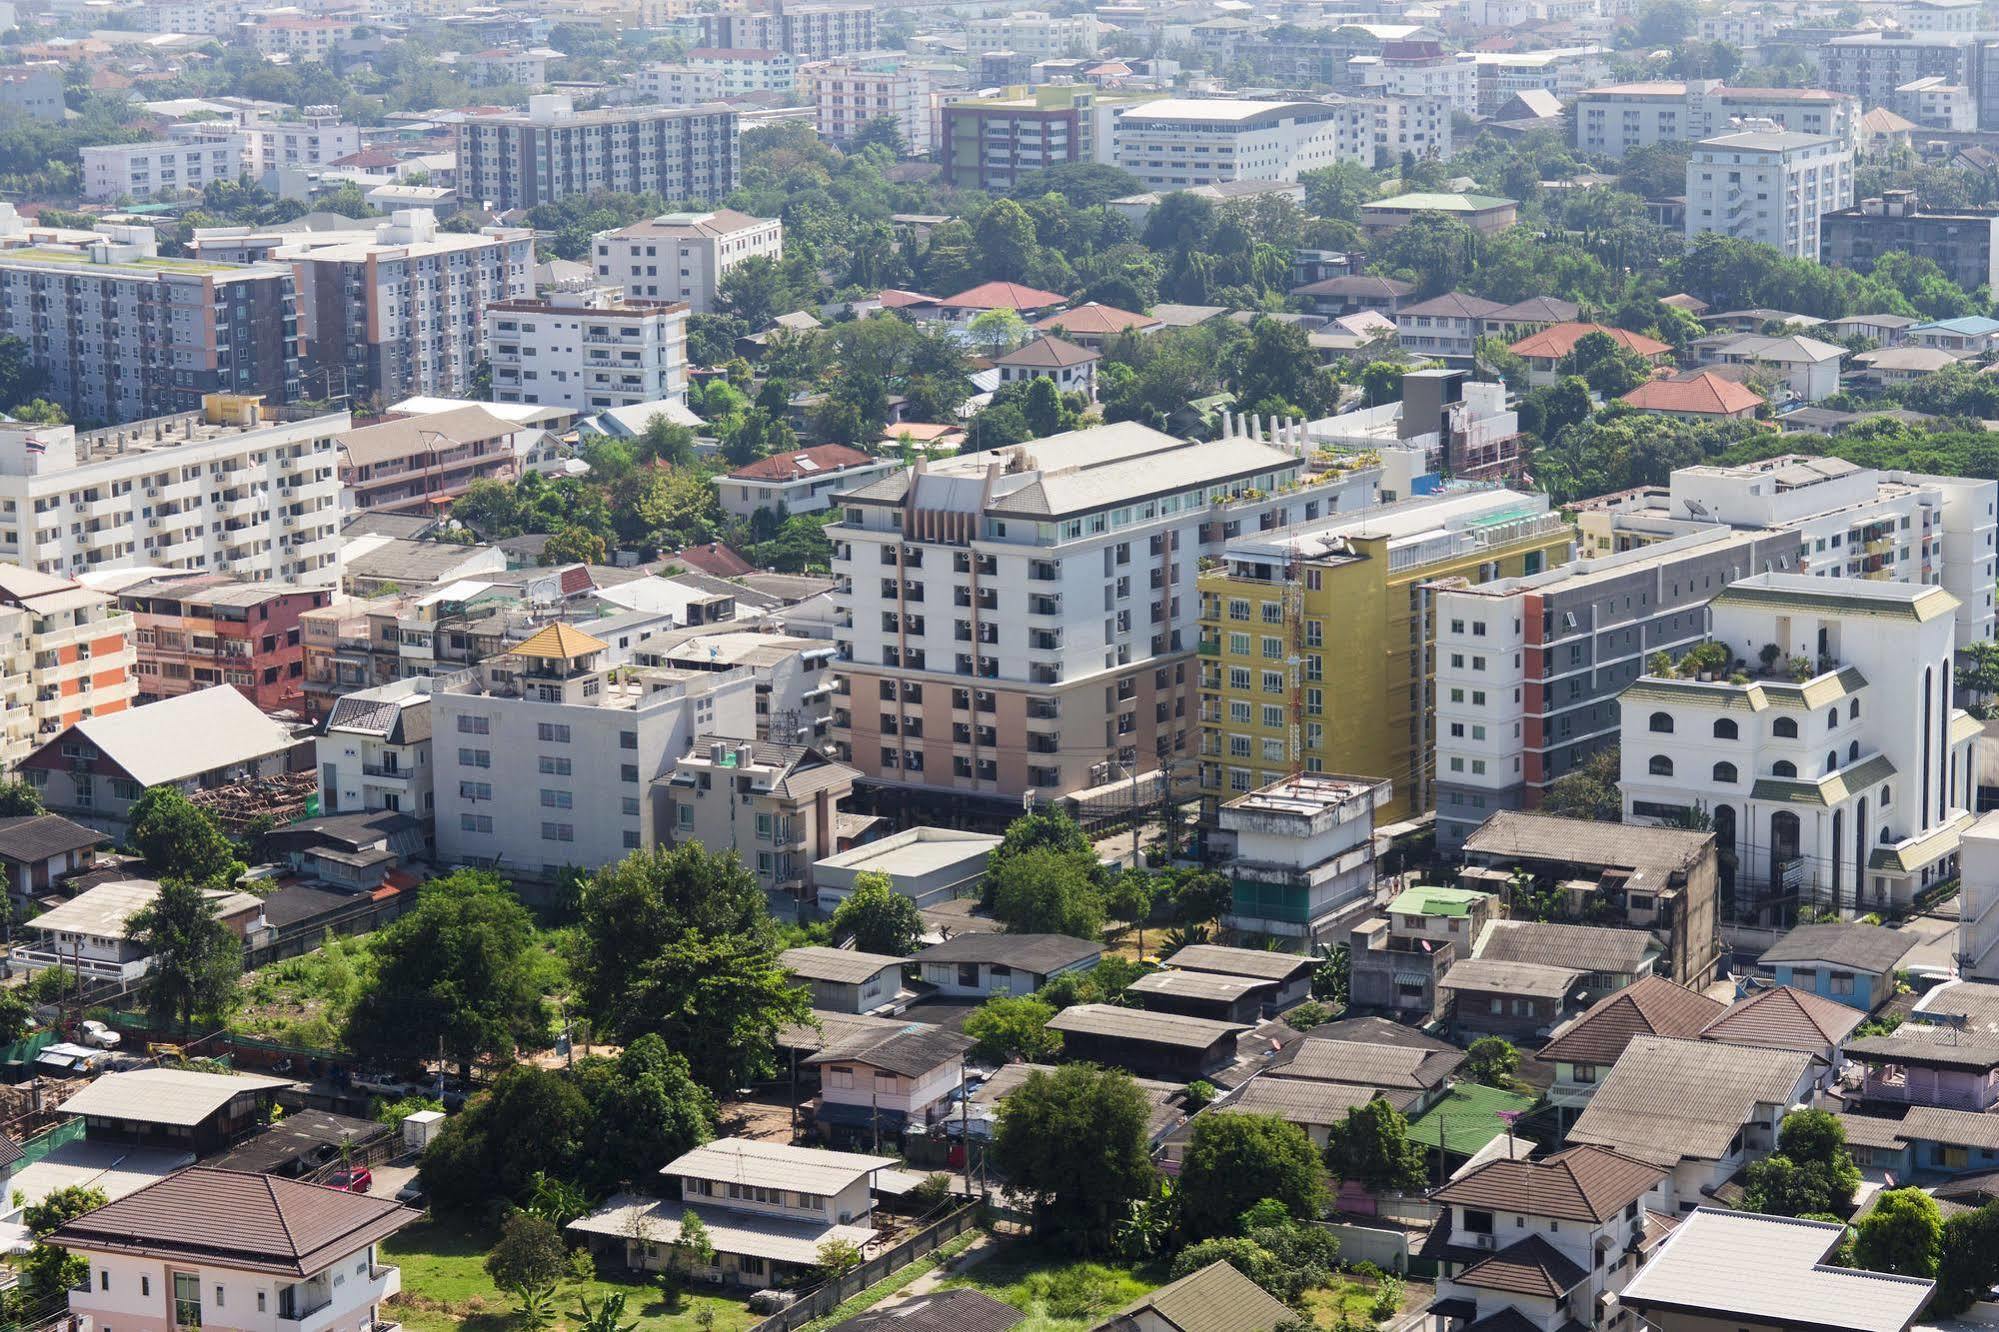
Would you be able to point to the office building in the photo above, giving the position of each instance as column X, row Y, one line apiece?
column 66, row 654
column 1035, row 34
column 846, row 97
column 1314, row 641
column 124, row 334
column 1026, row 621
column 1960, row 241
column 404, row 312
column 546, row 757
column 1768, row 187
column 228, row 488
column 1178, row 142
column 554, row 151
column 1613, row 119
column 685, row 256
column 1834, row 769
column 195, row 631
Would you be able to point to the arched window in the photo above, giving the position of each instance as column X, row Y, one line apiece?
column 1853, row 752
column 1724, row 729
column 1783, row 768
column 1853, row 709
column 1725, row 773
column 1785, row 728
column 1832, row 760
column 1662, row 722
column 1832, row 719
column 1661, row 766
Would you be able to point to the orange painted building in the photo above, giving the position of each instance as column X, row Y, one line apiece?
column 195, row 630
column 66, row 655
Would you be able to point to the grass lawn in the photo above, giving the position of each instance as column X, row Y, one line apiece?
column 1058, row 1295
column 445, row 1288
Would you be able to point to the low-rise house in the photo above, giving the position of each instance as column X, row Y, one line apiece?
column 1783, row 1018
column 1289, row 973
column 1484, row 213
column 1166, row 1102
column 1164, row 1045
column 1412, row 1077
column 799, row 481
column 416, row 463
column 926, row 864
column 1203, row 994
column 1611, row 958
column 1902, row 365
column 38, row 849
column 1882, row 328
column 874, row 1085
column 1544, row 351
column 845, row 980
column 1215, row 1299
column 1584, row 1051
column 773, row 803
column 354, row 852
column 91, row 933
column 1027, row 302
column 1394, row 964
column 211, row 1246
column 1447, row 326
column 1300, row 851
column 375, row 751
column 1927, row 1141
column 1921, row 1063
column 1310, row 1104
column 1516, row 1000
column 308, row 1140
column 1072, row 368
column 1809, row 367
column 1665, row 881
column 979, row 965
column 1542, row 1244
column 1744, row 1270
column 1350, row 293
column 95, row 769
column 1093, row 325
column 173, row 1107
column 1702, row 397
column 767, row 1207
column 1853, row 963
column 1971, row 335
column 1699, row 1110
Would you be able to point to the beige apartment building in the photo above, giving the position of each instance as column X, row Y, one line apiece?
column 685, row 256
column 775, row 804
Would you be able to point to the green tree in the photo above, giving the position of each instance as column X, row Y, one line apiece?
column 1901, row 1234
column 15, row 1014
column 1005, row 242
column 1977, row 675
column 1967, row 1260
column 997, row 332
column 1280, row 375
column 533, row 1121
column 1009, row 1027
column 837, row 1257
column 1810, row 1173
column 19, row 799
column 49, row 1271
column 1075, row 1141
column 1589, row 792
column 754, row 292
column 1492, row 1061
column 196, row 959
column 574, row 545
column 181, row 841
column 694, row 1248
column 458, row 973
column 528, row 1255
column 608, row 1316
column 646, row 1109
column 681, row 942
column 1044, row 891
column 1372, row 1147
column 1666, row 23
column 1235, row 1161
column 1130, row 899
column 1381, row 383
column 878, row 918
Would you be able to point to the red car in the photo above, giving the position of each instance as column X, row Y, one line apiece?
column 355, row 1179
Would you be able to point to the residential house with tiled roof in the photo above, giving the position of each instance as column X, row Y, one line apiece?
column 1092, row 324
column 1544, row 1244
column 1543, row 351
column 712, row 558
column 1852, row 962
column 1808, row 367
column 875, row 1085
column 1350, row 293
column 1215, row 1299
column 799, row 480
column 1584, row 1050
column 1447, row 326
column 1412, row 1078
column 845, row 980
column 1786, row 1018
column 1704, row 397
column 1609, row 958
column 1027, row 302
column 1072, row 368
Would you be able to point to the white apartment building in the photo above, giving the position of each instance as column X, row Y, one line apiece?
column 66, row 655
column 846, row 97
column 1301, row 849
column 317, row 139
column 1937, row 103
column 1036, row 34
column 1177, row 142
column 587, row 349
column 685, row 256
column 775, row 805
column 1770, row 187
column 554, row 151
column 1419, row 125
column 1978, row 902
column 375, row 751
column 1829, row 757
column 1564, row 72
column 747, row 69
column 1027, row 621
column 222, row 489
column 547, row 757
column 1419, row 69
column 678, row 85
column 185, row 164
column 1612, row 120
column 1939, row 15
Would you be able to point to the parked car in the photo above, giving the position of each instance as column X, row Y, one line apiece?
column 413, row 1193
column 101, row 1036
column 354, row 1179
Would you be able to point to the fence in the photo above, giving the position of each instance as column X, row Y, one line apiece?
column 830, row 1295
column 1386, row 1249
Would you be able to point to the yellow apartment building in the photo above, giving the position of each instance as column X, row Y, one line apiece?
column 1315, row 642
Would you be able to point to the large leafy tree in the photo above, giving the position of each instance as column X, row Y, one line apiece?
column 460, row 972
column 1901, row 1233
column 1075, row 1141
column 180, row 840
column 1967, row 1260
column 48, row 1270
column 878, row 918
column 1044, row 891
column 680, row 942
column 648, row 1110
column 533, row 1124
column 19, row 799
column 1013, row 1026
column 1233, row 1162
column 196, row 959
column 1372, row 1147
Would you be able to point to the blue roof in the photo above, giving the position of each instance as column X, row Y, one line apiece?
column 1969, row 325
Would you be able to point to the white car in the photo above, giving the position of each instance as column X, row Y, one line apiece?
column 101, row 1036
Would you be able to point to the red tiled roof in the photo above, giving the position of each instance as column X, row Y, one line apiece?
column 815, row 461
column 714, row 558
column 1557, row 342
column 1091, row 318
column 1049, row 354
column 1710, row 395
column 1649, row 1006
column 1003, row 296
column 896, row 299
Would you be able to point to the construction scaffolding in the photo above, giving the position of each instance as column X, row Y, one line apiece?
column 280, row 799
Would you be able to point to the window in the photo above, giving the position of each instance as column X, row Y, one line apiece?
column 1660, row 766
column 558, row 832
column 554, row 766
column 1725, row 773
column 468, row 725
column 552, row 732
column 475, row 758
column 475, row 823
column 1724, row 729
column 1784, row 728
column 1662, row 722
column 1783, row 768
column 187, row 1299
column 552, row 799
column 1841, row 982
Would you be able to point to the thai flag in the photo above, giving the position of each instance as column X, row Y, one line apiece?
column 36, row 445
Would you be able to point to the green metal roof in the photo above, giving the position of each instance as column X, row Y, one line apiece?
column 1829, row 790
column 1441, row 203
column 1467, row 1119
column 1428, row 900
column 1910, row 858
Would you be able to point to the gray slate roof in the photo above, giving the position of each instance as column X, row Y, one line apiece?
column 1584, row 947
column 1041, row 954
column 1856, row 945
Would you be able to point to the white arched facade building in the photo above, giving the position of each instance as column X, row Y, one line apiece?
column 1846, row 789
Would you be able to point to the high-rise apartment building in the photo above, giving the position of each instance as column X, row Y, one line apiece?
column 685, row 256
column 65, row 655
column 1420, row 69
column 807, row 31
column 195, row 631
column 1769, row 187
column 846, row 97
column 404, row 312
column 991, row 142
column 1615, row 118
column 1870, row 66
column 124, row 334
column 554, row 151
column 227, row 488
column 1315, row 640
column 316, row 139
column 1179, row 142
column 1036, row 34
column 587, row 349
column 1024, row 621
column 193, row 158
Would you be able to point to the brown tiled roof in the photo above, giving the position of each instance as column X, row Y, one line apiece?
column 1581, row 1184
column 822, row 459
column 1530, row 1267
column 1649, row 1006
column 1559, row 341
column 1787, row 1018
column 1003, row 296
column 1094, row 318
column 1705, row 393
column 1048, row 353
column 239, row 1220
column 714, row 558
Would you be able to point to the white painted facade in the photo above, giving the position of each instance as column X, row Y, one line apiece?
column 160, row 1295
column 186, row 164
column 1036, row 34
column 1768, row 187
column 587, row 349
column 846, row 97
column 684, row 256
column 1175, row 143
